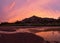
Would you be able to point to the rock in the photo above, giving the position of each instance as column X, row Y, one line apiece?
column 21, row 38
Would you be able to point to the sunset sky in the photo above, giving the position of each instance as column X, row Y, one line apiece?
column 12, row 10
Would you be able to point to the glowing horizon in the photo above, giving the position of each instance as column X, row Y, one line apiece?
column 13, row 10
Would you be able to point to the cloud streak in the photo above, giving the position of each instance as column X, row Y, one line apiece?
column 10, row 6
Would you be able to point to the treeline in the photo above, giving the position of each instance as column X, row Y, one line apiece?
column 34, row 21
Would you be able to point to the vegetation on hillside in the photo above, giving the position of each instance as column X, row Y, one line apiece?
column 34, row 21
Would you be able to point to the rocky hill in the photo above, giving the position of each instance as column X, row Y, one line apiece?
column 35, row 21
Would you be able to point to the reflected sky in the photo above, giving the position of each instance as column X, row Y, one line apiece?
column 50, row 35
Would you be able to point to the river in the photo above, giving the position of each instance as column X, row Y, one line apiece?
column 40, row 31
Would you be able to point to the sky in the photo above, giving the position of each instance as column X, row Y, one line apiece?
column 14, row 10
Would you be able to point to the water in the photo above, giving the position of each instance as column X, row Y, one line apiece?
column 52, row 35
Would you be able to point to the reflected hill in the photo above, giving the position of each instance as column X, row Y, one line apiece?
column 34, row 21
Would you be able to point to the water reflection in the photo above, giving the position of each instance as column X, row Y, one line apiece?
column 50, row 35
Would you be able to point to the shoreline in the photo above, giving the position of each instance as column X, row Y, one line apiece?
column 29, row 26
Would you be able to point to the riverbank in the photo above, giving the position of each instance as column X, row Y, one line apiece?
column 30, row 28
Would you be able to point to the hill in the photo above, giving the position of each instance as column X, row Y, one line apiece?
column 35, row 21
